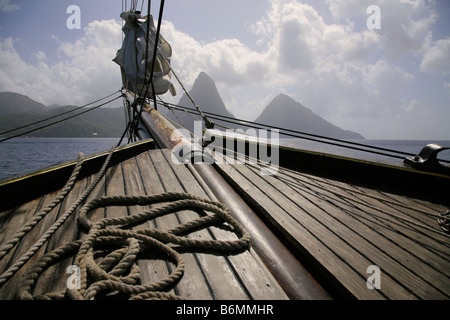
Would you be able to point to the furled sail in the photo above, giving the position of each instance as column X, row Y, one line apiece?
column 134, row 61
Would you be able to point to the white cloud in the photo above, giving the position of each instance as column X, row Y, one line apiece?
column 405, row 24
column 85, row 72
column 228, row 60
column 236, row 69
column 7, row 6
column 337, row 67
column 328, row 63
column 40, row 56
column 333, row 68
column 437, row 57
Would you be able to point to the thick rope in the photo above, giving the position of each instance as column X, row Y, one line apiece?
column 31, row 251
column 118, row 271
column 4, row 249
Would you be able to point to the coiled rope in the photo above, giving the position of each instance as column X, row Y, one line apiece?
column 31, row 251
column 5, row 248
column 119, row 271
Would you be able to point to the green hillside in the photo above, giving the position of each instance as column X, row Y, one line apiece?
column 17, row 110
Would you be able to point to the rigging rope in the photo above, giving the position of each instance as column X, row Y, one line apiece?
column 4, row 249
column 58, row 115
column 61, row 120
column 208, row 123
column 298, row 134
column 142, row 95
column 155, row 51
column 100, row 277
column 119, row 271
column 31, row 251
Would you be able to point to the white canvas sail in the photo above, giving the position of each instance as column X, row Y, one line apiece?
column 132, row 56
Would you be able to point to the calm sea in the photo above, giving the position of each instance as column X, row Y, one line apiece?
column 19, row 156
column 406, row 146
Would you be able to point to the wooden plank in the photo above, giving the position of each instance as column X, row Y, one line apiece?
column 55, row 277
column 115, row 187
column 4, row 216
column 9, row 288
column 151, row 270
column 17, row 218
column 406, row 205
column 398, row 209
column 383, row 251
column 251, row 270
column 327, row 207
column 215, row 269
column 192, row 285
column 306, row 234
column 421, row 205
column 15, row 221
column 414, row 224
column 421, row 228
column 401, row 242
column 413, row 230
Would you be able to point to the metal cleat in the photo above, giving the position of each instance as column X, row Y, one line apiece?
column 427, row 159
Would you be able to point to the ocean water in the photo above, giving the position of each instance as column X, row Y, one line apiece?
column 20, row 156
column 406, row 146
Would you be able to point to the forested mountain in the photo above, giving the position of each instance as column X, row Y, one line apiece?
column 17, row 110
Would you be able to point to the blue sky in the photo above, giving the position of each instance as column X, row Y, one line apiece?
column 387, row 83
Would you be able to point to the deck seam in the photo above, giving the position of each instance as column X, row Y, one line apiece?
column 369, row 241
column 295, row 242
column 236, row 274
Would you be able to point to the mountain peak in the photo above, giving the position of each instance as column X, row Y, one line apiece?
column 290, row 107
column 205, row 94
column 206, row 85
column 283, row 96
column 283, row 111
column 203, row 76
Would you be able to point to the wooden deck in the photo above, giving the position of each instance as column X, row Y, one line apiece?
column 208, row 275
column 336, row 229
column 341, row 229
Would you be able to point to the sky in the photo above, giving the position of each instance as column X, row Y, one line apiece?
column 385, row 74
